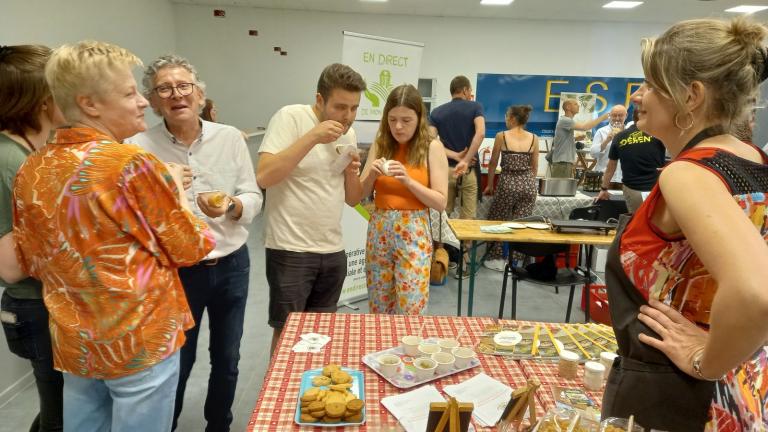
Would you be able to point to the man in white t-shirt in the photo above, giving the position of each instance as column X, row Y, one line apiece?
column 601, row 142
column 305, row 259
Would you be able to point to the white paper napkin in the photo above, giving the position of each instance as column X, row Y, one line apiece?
column 311, row 342
column 412, row 408
column 489, row 396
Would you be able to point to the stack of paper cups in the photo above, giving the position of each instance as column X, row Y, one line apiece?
column 593, row 375
column 607, row 358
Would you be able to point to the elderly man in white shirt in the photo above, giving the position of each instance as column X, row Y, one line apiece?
column 216, row 159
column 601, row 141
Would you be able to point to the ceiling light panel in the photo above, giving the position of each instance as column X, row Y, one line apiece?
column 746, row 9
column 622, row 4
column 496, row 2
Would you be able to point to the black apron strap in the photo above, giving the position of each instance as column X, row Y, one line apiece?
column 643, row 381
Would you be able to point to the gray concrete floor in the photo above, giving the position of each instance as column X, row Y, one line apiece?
column 535, row 302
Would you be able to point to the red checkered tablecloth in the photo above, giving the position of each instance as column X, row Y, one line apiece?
column 353, row 336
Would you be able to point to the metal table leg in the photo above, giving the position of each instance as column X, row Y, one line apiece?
column 460, row 273
column 471, row 268
column 588, row 285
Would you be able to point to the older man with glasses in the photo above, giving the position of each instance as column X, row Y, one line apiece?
column 220, row 180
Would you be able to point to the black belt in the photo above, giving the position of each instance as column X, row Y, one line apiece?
column 210, row 262
column 215, row 261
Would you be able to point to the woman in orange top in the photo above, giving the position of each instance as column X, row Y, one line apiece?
column 408, row 173
column 104, row 226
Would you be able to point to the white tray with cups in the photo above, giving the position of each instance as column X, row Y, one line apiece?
column 419, row 360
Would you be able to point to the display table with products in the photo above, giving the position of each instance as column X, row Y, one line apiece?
column 355, row 335
column 470, row 230
column 546, row 206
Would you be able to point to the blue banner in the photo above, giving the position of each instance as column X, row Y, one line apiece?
column 496, row 92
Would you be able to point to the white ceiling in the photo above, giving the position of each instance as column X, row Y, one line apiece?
column 662, row 11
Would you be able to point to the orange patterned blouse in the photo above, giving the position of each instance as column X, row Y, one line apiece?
column 99, row 223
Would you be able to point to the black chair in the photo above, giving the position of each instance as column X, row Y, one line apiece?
column 563, row 277
column 602, row 210
column 610, row 209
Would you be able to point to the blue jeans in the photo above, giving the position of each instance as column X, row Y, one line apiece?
column 221, row 286
column 29, row 338
column 139, row 402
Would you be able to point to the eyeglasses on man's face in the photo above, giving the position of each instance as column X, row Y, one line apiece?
column 166, row 91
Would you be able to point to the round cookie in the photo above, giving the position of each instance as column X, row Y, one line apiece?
column 340, row 387
column 330, row 368
column 318, row 414
column 355, row 405
column 335, row 409
column 321, row 380
column 306, row 418
column 356, row 418
column 310, row 394
column 340, row 377
column 316, row 406
column 327, row 419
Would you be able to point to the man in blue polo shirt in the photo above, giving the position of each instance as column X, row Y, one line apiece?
column 460, row 124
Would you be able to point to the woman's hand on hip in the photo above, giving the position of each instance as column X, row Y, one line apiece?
column 680, row 339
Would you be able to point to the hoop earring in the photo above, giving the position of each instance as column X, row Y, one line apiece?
column 677, row 121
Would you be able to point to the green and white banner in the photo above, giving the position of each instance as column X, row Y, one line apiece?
column 384, row 63
column 354, row 223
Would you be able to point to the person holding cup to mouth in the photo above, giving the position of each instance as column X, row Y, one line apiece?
column 408, row 174
column 221, row 184
column 305, row 258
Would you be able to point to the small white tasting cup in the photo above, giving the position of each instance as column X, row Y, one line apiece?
column 410, row 345
column 388, row 364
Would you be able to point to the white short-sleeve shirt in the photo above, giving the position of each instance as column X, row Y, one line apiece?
column 303, row 212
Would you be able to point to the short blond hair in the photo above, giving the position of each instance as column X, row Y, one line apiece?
column 84, row 68
column 726, row 56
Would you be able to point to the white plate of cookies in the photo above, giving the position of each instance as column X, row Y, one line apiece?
column 331, row 396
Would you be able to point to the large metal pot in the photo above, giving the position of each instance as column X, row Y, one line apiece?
column 557, row 186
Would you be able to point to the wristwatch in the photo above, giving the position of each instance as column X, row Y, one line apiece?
column 603, row 188
column 231, row 207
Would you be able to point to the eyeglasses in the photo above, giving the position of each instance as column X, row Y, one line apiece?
column 166, row 91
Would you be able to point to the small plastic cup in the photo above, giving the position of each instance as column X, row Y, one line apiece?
column 607, row 358
column 444, row 362
column 410, row 345
column 448, row 344
column 388, row 364
column 424, row 368
column 427, row 349
column 463, row 356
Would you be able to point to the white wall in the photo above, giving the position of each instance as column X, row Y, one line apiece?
column 760, row 136
column 250, row 82
column 145, row 27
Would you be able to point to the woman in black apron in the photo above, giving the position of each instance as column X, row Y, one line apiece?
column 687, row 274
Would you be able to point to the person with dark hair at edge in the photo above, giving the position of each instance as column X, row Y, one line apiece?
column 517, row 150
column 24, row 127
column 460, row 126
